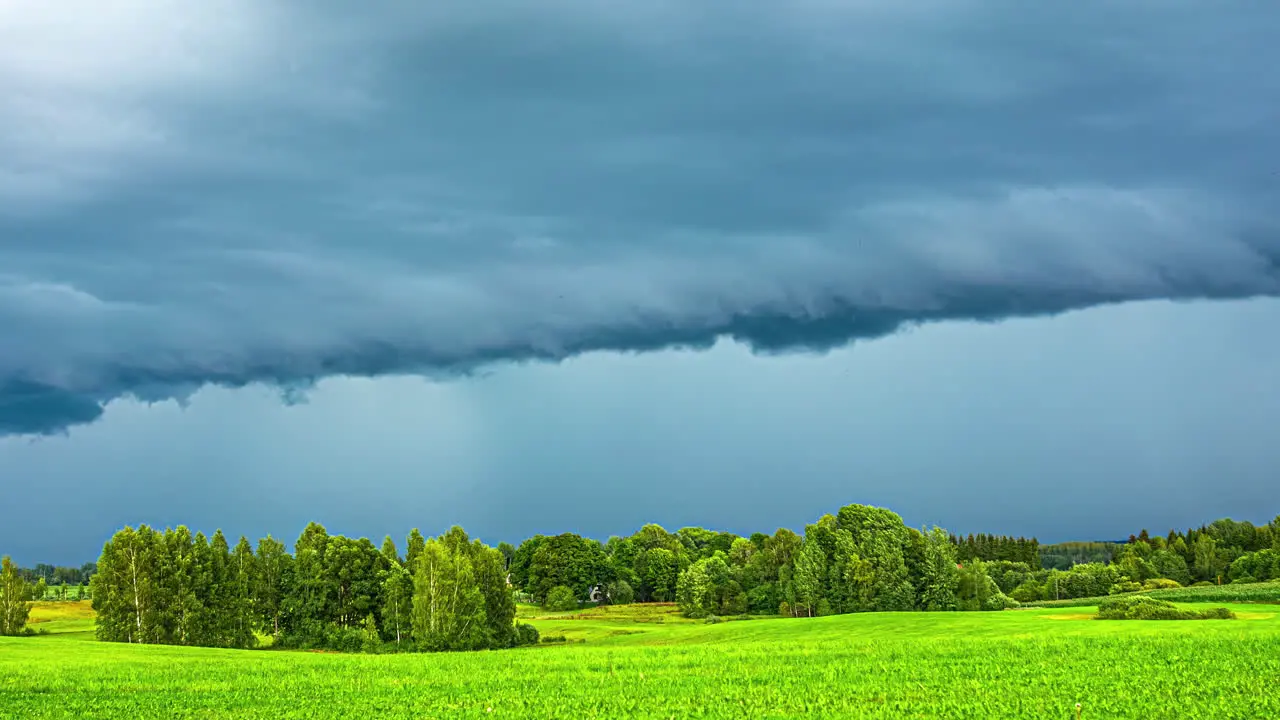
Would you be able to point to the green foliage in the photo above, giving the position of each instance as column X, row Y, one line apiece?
column 619, row 592
column 1063, row 556
column 566, row 560
column 977, row 591
column 1268, row 592
column 1143, row 607
column 526, row 634
column 15, row 596
column 560, row 598
column 397, row 603
column 708, row 587
column 448, row 605
column 372, row 640
column 940, row 578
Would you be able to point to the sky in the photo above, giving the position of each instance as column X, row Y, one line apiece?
column 565, row 265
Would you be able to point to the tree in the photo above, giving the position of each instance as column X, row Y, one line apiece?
column 413, row 549
column 397, row 598
column 124, row 588
column 15, row 596
column 659, row 570
column 977, row 591
column 810, row 572
column 508, row 552
column 448, row 607
column 693, row 591
column 372, row 640
column 561, row 598
column 881, row 539
column 939, row 576
column 272, row 583
column 499, row 604
column 569, row 560
column 242, row 575
column 390, row 556
column 309, row 603
column 619, row 592
column 1206, row 554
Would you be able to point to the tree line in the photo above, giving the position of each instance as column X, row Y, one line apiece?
column 861, row 558
column 57, row 575
column 452, row 592
column 173, row 587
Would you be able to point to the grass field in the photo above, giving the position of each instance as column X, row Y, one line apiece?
column 647, row 662
column 1266, row 592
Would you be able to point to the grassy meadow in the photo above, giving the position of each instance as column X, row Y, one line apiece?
column 646, row 661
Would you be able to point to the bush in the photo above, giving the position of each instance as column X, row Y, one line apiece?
column 1028, row 591
column 1125, row 587
column 553, row 639
column 526, row 634
column 620, row 593
column 1244, row 580
column 560, row 598
column 1202, row 583
column 349, row 640
column 1161, row 584
column 1142, row 607
column 999, row 601
column 713, row 620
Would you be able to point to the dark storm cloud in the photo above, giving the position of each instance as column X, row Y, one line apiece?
column 232, row 192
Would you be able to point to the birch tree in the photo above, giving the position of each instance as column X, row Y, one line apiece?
column 15, row 596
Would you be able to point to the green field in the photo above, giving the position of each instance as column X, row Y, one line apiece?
column 646, row 661
column 1265, row 592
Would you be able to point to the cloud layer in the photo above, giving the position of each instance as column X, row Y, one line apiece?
column 237, row 192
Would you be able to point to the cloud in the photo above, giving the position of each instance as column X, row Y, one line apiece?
column 238, row 192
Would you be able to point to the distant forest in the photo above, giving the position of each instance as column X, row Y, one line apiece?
column 455, row 593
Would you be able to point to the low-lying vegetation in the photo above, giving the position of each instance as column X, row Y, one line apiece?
column 1018, row 665
column 1142, row 607
column 1268, row 593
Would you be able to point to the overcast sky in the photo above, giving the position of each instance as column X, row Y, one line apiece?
column 567, row 265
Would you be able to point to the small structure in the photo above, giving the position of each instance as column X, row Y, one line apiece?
column 597, row 594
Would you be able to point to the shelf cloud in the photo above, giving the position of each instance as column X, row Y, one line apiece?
column 234, row 192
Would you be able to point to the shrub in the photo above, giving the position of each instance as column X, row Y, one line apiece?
column 1028, row 591
column 1244, row 580
column 999, row 601
column 1161, row 584
column 1125, row 587
column 553, row 639
column 713, row 620
column 561, row 598
column 526, row 634
column 349, row 640
column 620, row 593
column 1142, row 607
